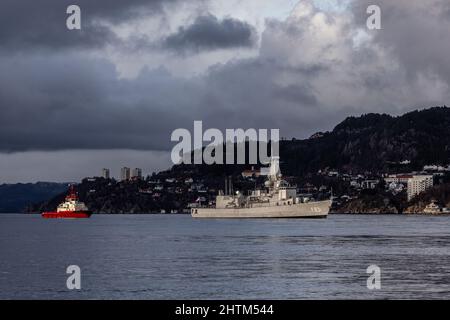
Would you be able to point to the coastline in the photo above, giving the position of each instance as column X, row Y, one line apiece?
column 188, row 214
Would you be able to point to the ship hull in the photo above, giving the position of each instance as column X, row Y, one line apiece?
column 67, row 215
column 318, row 209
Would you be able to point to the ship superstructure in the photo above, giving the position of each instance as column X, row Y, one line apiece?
column 72, row 207
column 277, row 200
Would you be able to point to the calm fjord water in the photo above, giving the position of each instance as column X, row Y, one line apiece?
column 176, row 257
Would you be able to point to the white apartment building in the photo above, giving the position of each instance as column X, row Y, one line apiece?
column 105, row 173
column 418, row 184
column 415, row 183
column 125, row 174
column 137, row 173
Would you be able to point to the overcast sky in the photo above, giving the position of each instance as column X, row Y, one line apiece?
column 109, row 95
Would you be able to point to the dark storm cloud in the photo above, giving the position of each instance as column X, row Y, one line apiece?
column 67, row 102
column 306, row 77
column 28, row 24
column 209, row 33
column 247, row 95
column 297, row 94
column 415, row 32
column 75, row 102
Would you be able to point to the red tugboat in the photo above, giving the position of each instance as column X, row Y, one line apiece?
column 71, row 208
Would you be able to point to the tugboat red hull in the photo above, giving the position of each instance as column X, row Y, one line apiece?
column 67, row 215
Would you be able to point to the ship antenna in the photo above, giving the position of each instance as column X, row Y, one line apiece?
column 72, row 192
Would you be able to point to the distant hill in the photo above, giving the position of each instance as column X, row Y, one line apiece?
column 369, row 144
column 374, row 142
column 15, row 198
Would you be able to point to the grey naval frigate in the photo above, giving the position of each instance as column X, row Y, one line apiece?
column 277, row 200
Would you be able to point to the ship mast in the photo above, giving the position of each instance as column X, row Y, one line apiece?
column 72, row 193
column 274, row 171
